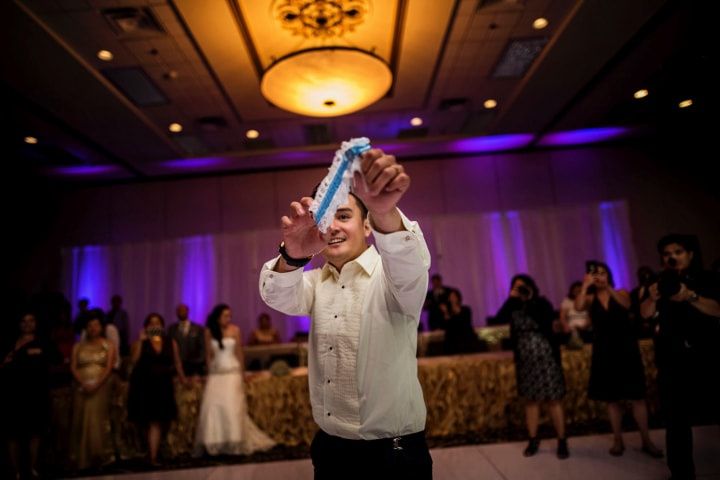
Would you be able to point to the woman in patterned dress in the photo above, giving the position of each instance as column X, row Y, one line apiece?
column 537, row 358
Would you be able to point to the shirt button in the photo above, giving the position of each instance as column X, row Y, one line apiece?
column 330, row 348
column 335, row 316
column 408, row 238
column 328, row 380
column 328, row 414
column 343, row 286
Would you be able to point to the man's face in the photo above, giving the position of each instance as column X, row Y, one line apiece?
column 181, row 312
column 346, row 237
column 436, row 283
column 676, row 253
column 27, row 324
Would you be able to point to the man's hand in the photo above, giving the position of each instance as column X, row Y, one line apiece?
column 299, row 231
column 385, row 183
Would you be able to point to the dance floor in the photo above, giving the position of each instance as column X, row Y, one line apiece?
column 588, row 460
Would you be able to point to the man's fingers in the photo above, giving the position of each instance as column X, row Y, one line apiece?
column 306, row 202
column 400, row 183
column 297, row 208
column 388, row 180
column 367, row 158
column 378, row 167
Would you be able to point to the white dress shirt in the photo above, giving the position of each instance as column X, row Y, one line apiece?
column 362, row 366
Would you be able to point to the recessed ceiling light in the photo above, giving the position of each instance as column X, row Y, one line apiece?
column 642, row 93
column 416, row 121
column 30, row 140
column 490, row 103
column 251, row 134
column 685, row 103
column 175, row 127
column 105, row 55
column 540, row 23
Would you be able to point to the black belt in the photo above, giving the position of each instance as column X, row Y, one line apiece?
column 396, row 443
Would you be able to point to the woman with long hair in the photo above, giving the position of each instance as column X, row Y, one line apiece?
column 224, row 426
column 151, row 397
column 617, row 372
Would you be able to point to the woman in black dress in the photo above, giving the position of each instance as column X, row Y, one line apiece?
column 617, row 371
column 25, row 403
column 537, row 358
column 151, row 399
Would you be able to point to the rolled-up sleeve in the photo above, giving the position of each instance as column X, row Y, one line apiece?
column 285, row 292
column 406, row 261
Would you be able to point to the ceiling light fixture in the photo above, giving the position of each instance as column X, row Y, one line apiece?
column 685, row 103
column 540, row 23
column 329, row 79
column 105, row 55
column 490, row 103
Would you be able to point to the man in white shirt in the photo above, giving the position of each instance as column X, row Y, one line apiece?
column 365, row 307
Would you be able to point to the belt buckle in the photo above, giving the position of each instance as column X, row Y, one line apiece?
column 396, row 443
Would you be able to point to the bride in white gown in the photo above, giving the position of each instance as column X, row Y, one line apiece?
column 224, row 426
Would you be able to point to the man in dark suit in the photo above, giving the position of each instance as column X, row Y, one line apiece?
column 435, row 298
column 190, row 339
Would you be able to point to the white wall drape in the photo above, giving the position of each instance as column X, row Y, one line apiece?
column 477, row 253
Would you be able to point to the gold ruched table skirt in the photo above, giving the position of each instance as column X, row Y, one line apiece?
column 466, row 394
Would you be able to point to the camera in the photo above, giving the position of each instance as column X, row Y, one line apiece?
column 154, row 332
column 668, row 280
column 591, row 267
column 669, row 283
column 523, row 290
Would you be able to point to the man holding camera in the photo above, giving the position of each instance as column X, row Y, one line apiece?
column 685, row 302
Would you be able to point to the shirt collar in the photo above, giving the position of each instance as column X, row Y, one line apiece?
column 367, row 261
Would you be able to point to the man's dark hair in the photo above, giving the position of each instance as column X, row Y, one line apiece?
column 361, row 205
column 689, row 242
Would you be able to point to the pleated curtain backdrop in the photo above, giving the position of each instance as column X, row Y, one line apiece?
column 477, row 253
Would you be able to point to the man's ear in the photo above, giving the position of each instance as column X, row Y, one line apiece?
column 366, row 227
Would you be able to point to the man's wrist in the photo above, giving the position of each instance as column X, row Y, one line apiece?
column 292, row 261
column 693, row 297
column 386, row 222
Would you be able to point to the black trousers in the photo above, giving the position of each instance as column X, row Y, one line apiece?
column 688, row 396
column 399, row 458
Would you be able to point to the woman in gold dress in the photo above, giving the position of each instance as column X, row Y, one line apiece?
column 92, row 361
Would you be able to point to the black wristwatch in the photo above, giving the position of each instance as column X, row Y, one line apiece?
column 293, row 262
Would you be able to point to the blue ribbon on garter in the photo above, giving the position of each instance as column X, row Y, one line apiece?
column 348, row 157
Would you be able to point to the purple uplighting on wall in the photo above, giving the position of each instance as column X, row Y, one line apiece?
column 518, row 240
column 584, row 136
column 198, row 274
column 85, row 170
column 194, row 163
column 613, row 249
column 490, row 143
column 90, row 271
column 302, row 324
